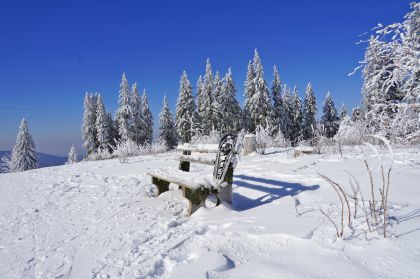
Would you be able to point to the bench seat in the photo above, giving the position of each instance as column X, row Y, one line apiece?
column 195, row 186
column 191, row 180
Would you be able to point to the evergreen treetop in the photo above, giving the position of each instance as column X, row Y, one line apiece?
column 185, row 108
column 309, row 113
column 166, row 126
column 24, row 156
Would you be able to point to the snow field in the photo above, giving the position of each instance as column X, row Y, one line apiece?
column 100, row 220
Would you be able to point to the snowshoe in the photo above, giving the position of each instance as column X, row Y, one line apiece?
column 225, row 155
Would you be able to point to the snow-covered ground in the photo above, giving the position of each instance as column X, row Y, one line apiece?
column 99, row 220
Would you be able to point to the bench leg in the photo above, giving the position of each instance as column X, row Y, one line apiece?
column 185, row 166
column 162, row 185
column 196, row 197
column 226, row 192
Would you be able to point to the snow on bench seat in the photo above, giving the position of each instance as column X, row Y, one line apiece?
column 304, row 148
column 199, row 158
column 200, row 148
column 191, row 180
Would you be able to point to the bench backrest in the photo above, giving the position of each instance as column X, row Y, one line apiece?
column 222, row 153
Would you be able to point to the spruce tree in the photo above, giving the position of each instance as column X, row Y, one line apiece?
column 260, row 104
column 89, row 125
column 217, row 92
column 248, row 94
column 297, row 119
column 410, row 53
column 167, row 126
column 94, row 102
column 287, row 120
column 329, row 120
column 309, row 113
column 199, row 92
column 278, row 108
column 198, row 125
column 371, row 88
column 381, row 89
column 147, row 119
column 206, row 108
column 24, row 156
column 72, row 156
column 103, row 128
column 124, row 114
column 230, row 110
column 113, row 129
column 138, row 124
column 185, row 108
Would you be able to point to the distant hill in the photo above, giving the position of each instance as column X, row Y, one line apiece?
column 45, row 160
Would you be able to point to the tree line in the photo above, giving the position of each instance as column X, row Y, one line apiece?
column 215, row 107
column 133, row 119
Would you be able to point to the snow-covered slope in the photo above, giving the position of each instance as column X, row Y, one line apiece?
column 44, row 160
column 99, row 220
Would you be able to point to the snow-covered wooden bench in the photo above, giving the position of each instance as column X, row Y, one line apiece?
column 195, row 186
column 303, row 150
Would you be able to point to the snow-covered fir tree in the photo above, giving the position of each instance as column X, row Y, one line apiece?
column 198, row 125
column 391, row 73
column 380, row 87
column 410, row 53
column 103, row 128
column 185, row 108
column 309, row 113
column 329, row 120
column 230, row 110
column 113, row 128
column 287, row 119
column 199, row 92
column 217, row 91
column 260, row 104
column 343, row 112
column 138, row 125
column 206, row 105
column 380, row 78
column 297, row 119
column 248, row 94
column 147, row 136
column 24, row 156
column 167, row 128
column 278, row 108
column 89, row 133
column 124, row 114
column 72, row 155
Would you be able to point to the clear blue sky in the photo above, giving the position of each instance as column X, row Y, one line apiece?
column 52, row 52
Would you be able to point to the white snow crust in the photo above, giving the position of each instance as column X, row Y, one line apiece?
column 100, row 220
column 202, row 148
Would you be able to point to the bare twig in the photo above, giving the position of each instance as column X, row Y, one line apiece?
column 362, row 199
column 386, row 200
column 372, row 203
column 328, row 215
column 355, row 197
column 337, row 187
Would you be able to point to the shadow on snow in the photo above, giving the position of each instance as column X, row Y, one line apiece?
column 274, row 190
